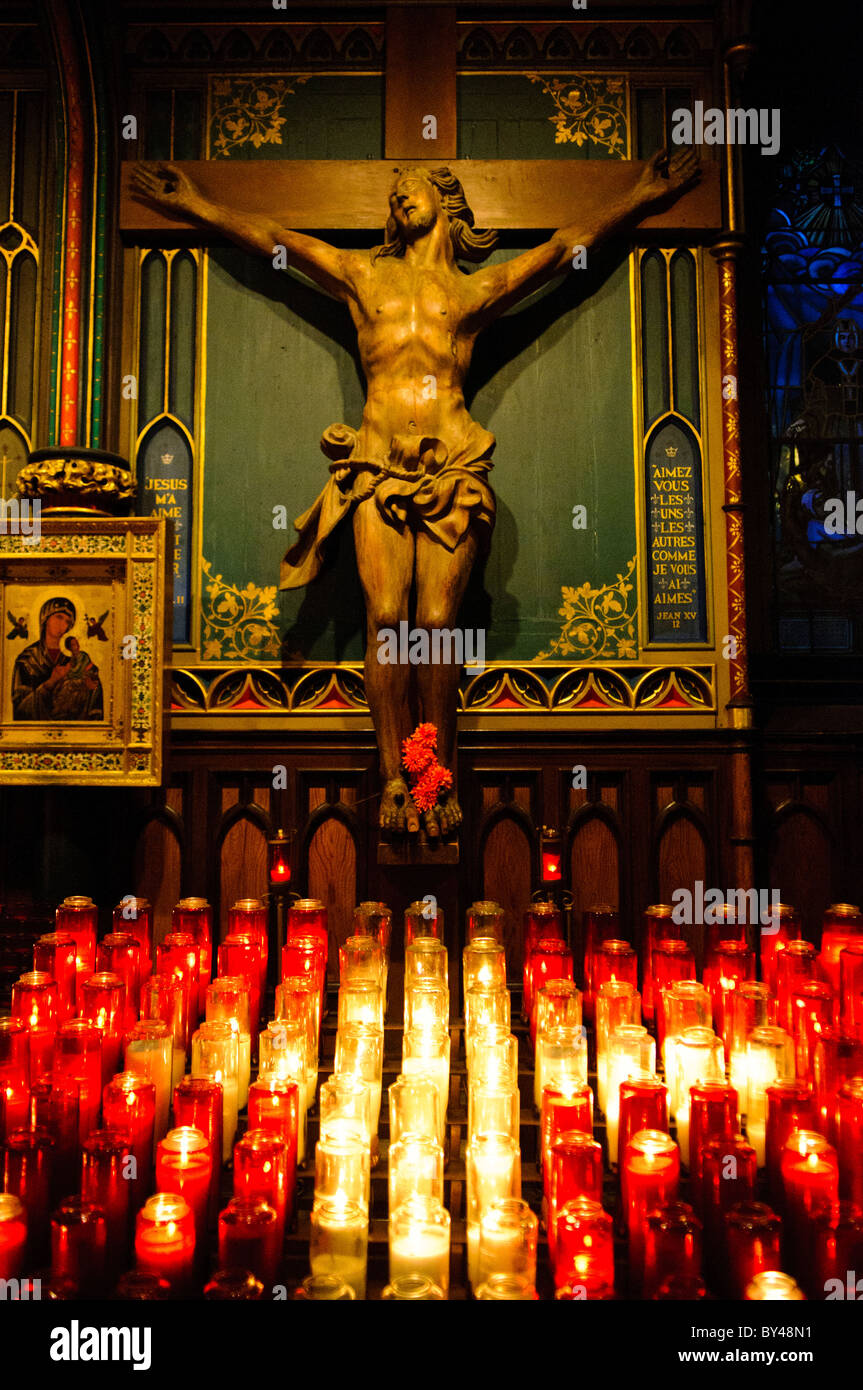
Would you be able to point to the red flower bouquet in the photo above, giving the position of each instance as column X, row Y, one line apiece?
column 428, row 777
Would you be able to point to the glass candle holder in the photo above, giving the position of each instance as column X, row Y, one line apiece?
column 261, row 1170
column 240, row 956
column 712, row 1115
column 486, row 1008
column 735, row 965
column 419, row 1241
column 360, row 1052
column 163, row 997
column 507, row 1288
column 27, row 1171
column 849, row 1139
column 105, row 1168
column 426, row 1005
column 54, row 1106
column 178, row 954
column 493, row 1171
column 558, row 1005
column 78, row 1057
column 672, row 1246
column 14, row 1075
column 673, row 962
column 298, row 1001
column 135, row 1287
column 56, row 954
column 838, row 1241
column 361, row 1001
column 198, row 1105
column 812, row 1005
column 769, row 1058
column 549, row 960
column 307, row 917
column 414, row 1103
column 843, row 922
column 786, row 925
column 248, row 1238
column 809, row 1169
column 274, row 1107
column 102, row 1002
column 184, row 1166
column 129, row 1107
column 195, row 917
column 616, row 1003
column 584, row 1256
column 343, row 1171
column 234, row 1286
column 79, row 917
column 751, row 1005
column 346, row 1107
column 575, row 1170
column 728, row 1176
column 416, row 1167
column 493, row 1109
column 657, row 925
column 643, row 1105
column 652, row 1173
column 752, row 1242
column 508, row 1238
column 283, row 1048
column 851, row 988
column 486, row 919
column 561, row 1112
column 228, row 1002
column 493, row 1058
column 306, row 956
column 426, row 959
column 484, row 963
column 540, row 921
column 631, row 1052
column 325, row 1288
column 374, row 919
column 790, row 1105
column 339, row 1243
column 248, row 917
column 35, row 1004
column 361, row 958
column 79, row 1246
column 149, row 1053
column 615, row 960
column 723, row 927
column 422, row 920
column 685, row 1004
column 561, row 1059
column 120, row 954
column 412, row 1288
column 426, row 1054
column 796, row 963
column 600, row 924
column 13, row 1235
column 135, row 916
column 773, row 1286
column 215, row 1056
column 699, row 1056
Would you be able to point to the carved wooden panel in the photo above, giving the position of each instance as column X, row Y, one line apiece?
column 332, row 877
column 507, row 863
column 801, row 867
column 158, row 870
column 242, row 867
column 682, row 860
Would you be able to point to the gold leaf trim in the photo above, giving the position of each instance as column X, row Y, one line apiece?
column 598, row 623
column 590, row 110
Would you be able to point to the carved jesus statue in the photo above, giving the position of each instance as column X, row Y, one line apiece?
column 415, row 473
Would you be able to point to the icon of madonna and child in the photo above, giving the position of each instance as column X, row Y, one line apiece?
column 53, row 679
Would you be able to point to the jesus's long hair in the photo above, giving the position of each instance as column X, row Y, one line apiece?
column 467, row 243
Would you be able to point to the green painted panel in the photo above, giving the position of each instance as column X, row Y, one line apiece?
column 541, row 116
column 551, row 380
column 296, row 117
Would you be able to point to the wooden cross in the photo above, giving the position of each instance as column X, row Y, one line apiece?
column 420, row 79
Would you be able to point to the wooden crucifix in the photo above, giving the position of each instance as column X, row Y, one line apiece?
column 414, row 475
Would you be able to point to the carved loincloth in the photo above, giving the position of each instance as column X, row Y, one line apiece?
column 421, row 485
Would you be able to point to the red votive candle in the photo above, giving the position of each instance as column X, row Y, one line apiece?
column 13, row 1235
column 575, row 1170
column 79, row 1246
column 812, row 1008
column 308, row 917
column 105, row 1181
column 184, row 1166
column 248, row 917
column 198, row 1103
column 600, row 924
column 672, row 960
column 672, row 1246
column 652, row 1167
column 78, row 1057
column 712, row 1115
column 135, row 917
column 27, row 1175
column 797, row 962
column 843, row 922
column 585, row 1249
column 102, row 1002
column 261, row 1170
column 129, row 1108
column 790, row 1106
column 164, row 997
column 195, row 916
column 274, row 1106
column 248, row 1238
column 550, row 959
column 615, row 960
column 727, row 928
column 560, row 1113
column 165, row 1241
column 849, row 1140
column 837, row 1270
column 14, row 1075
column 729, row 1169
column 35, row 1004
column 541, row 920
column 79, row 916
column 810, row 1177
column 240, row 954
column 735, row 964
column 851, row 988
column 657, row 925
column 178, row 954
column 54, row 1107
column 785, row 925
column 120, row 954
column 753, row 1234
column 56, row 955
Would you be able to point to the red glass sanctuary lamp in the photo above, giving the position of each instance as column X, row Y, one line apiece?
column 550, row 853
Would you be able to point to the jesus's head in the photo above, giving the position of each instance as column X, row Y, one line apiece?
column 418, row 199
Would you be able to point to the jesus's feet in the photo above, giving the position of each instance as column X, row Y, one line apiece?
column 398, row 812
column 443, row 820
